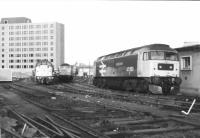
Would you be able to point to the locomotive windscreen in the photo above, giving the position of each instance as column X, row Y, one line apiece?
column 162, row 55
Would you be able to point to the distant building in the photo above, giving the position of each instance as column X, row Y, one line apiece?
column 23, row 43
column 190, row 68
column 85, row 70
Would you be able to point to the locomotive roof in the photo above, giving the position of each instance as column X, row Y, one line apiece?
column 162, row 47
column 44, row 62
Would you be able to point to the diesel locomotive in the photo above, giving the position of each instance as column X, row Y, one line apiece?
column 150, row 68
column 66, row 72
column 44, row 72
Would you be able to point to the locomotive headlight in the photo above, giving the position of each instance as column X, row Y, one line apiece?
column 159, row 67
column 170, row 67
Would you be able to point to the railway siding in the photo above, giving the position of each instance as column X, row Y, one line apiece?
column 109, row 116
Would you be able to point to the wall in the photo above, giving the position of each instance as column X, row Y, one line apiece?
column 191, row 78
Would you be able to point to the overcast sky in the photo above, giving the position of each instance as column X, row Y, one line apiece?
column 96, row 28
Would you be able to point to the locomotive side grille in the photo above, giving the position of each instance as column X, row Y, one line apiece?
column 165, row 66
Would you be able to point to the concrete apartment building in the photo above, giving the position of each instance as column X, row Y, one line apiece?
column 23, row 43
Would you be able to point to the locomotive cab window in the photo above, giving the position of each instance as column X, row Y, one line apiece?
column 145, row 56
column 157, row 55
column 171, row 56
column 162, row 55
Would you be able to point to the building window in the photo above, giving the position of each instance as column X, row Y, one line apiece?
column 11, row 61
column 31, row 60
column 45, row 54
column 44, row 43
column 6, row 21
column 38, row 54
column 45, row 26
column 38, row 37
column 18, row 66
column 51, row 54
column 31, row 32
column 31, row 38
column 51, row 48
column 10, row 38
column 30, row 55
column 11, row 33
column 2, row 61
column 18, row 32
column 11, row 55
column 18, row 27
column 18, row 55
column 25, row 32
column 51, row 37
column 18, row 61
column 51, row 60
column 45, row 32
column 2, row 44
column 24, row 38
column 31, row 43
column 45, row 49
column 38, row 32
column 24, row 55
column 2, row 38
column 2, row 27
column 2, row 66
column 45, row 37
column 10, row 27
column 2, row 55
column 17, row 44
column 51, row 25
column 2, row 33
column 38, row 26
column 186, row 63
column 31, row 49
column 24, row 27
column 38, row 49
column 51, row 31
column 30, row 26
column 31, row 66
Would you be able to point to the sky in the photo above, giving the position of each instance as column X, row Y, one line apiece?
column 96, row 28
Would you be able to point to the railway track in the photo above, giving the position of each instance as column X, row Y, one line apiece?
column 112, row 119
column 167, row 102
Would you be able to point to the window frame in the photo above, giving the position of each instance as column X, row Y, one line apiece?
column 183, row 64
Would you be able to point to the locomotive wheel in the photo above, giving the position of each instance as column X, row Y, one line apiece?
column 142, row 86
column 166, row 90
column 175, row 90
column 103, row 83
column 127, row 85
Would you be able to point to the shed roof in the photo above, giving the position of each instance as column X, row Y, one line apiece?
column 189, row 48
